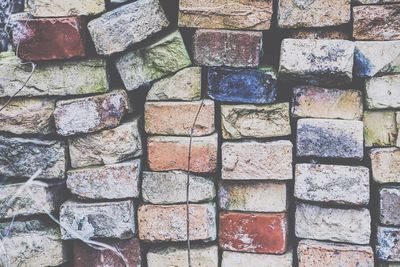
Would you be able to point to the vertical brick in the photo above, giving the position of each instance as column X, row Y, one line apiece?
column 385, row 165
column 382, row 92
column 387, row 244
column 380, row 128
column 389, row 205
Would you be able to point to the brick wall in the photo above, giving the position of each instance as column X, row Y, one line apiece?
column 257, row 133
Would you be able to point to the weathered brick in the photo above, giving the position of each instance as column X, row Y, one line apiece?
column 370, row 2
column 170, row 188
column 90, row 114
column 253, row 232
column 168, row 222
column 60, row 8
column 327, row 138
column 184, row 85
column 122, row 27
column 32, row 243
column 106, row 147
column 327, row 103
column 332, row 183
column 87, row 256
column 380, row 22
column 27, row 116
column 388, row 264
column 376, row 58
column 114, row 181
column 389, row 205
column 251, row 121
column 380, row 128
column 319, row 13
column 340, row 33
column 63, row 38
column 383, row 92
column 398, row 128
column 97, row 220
column 317, row 62
column 52, row 78
column 20, row 157
column 223, row 14
column 252, row 196
column 238, row 259
column 177, row 118
column 314, row 253
column 253, row 86
column 257, row 160
column 201, row 256
column 227, row 48
column 387, row 244
column 160, row 59
column 333, row 224
column 385, row 165
column 166, row 153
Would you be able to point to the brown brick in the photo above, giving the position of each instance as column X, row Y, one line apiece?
column 385, row 164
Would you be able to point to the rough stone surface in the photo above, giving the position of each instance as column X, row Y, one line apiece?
column 340, row 33
column 201, row 256
column 252, row 196
column 168, row 222
column 184, row 85
column 160, row 59
column 114, row 181
column 387, row 244
column 253, row 86
column 327, row 103
column 317, row 62
column 21, row 157
column 376, row 58
column 389, row 205
column 257, row 160
column 60, row 8
column 106, row 147
column 53, row 78
column 380, row 128
column 166, row 153
column 314, row 253
column 86, row 256
column 170, row 188
column 63, row 38
column 333, row 224
column 238, row 259
column 27, row 116
column 90, row 114
column 214, row 48
column 177, row 118
column 371, row 2
column 398, row 128
column 327, row 138
column 32, row 243
column 383, row 92
column 332, row 183
column 225, row 14
column 117, row 29
column 316, row 13
column 98, row 220
column 251, row 121
column 253, row 232
column 385, row 165
column 380, row 22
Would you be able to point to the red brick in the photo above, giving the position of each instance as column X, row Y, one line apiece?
column 86, row 256
column 50, row 38
column 253, row 232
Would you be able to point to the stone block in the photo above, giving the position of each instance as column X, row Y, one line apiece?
column 124, row 26
column 215, row 48
column 371, row 2
column 385, row 165
column 389, row 205
column 252, row 160
column 251, row 121
column 333, row 224
column 253, row 232
column 166, row 153
column 168, row 222
column 387, row 244
column 327, row 103
column 380, row 128
column 97, row 220
column 327, row 138
column 383, row 92
column 106, row 147
column 239, row 259
column 60, row 8
column 340, row 33
column 115, row 181
column 170, row 188
column 398, row 128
